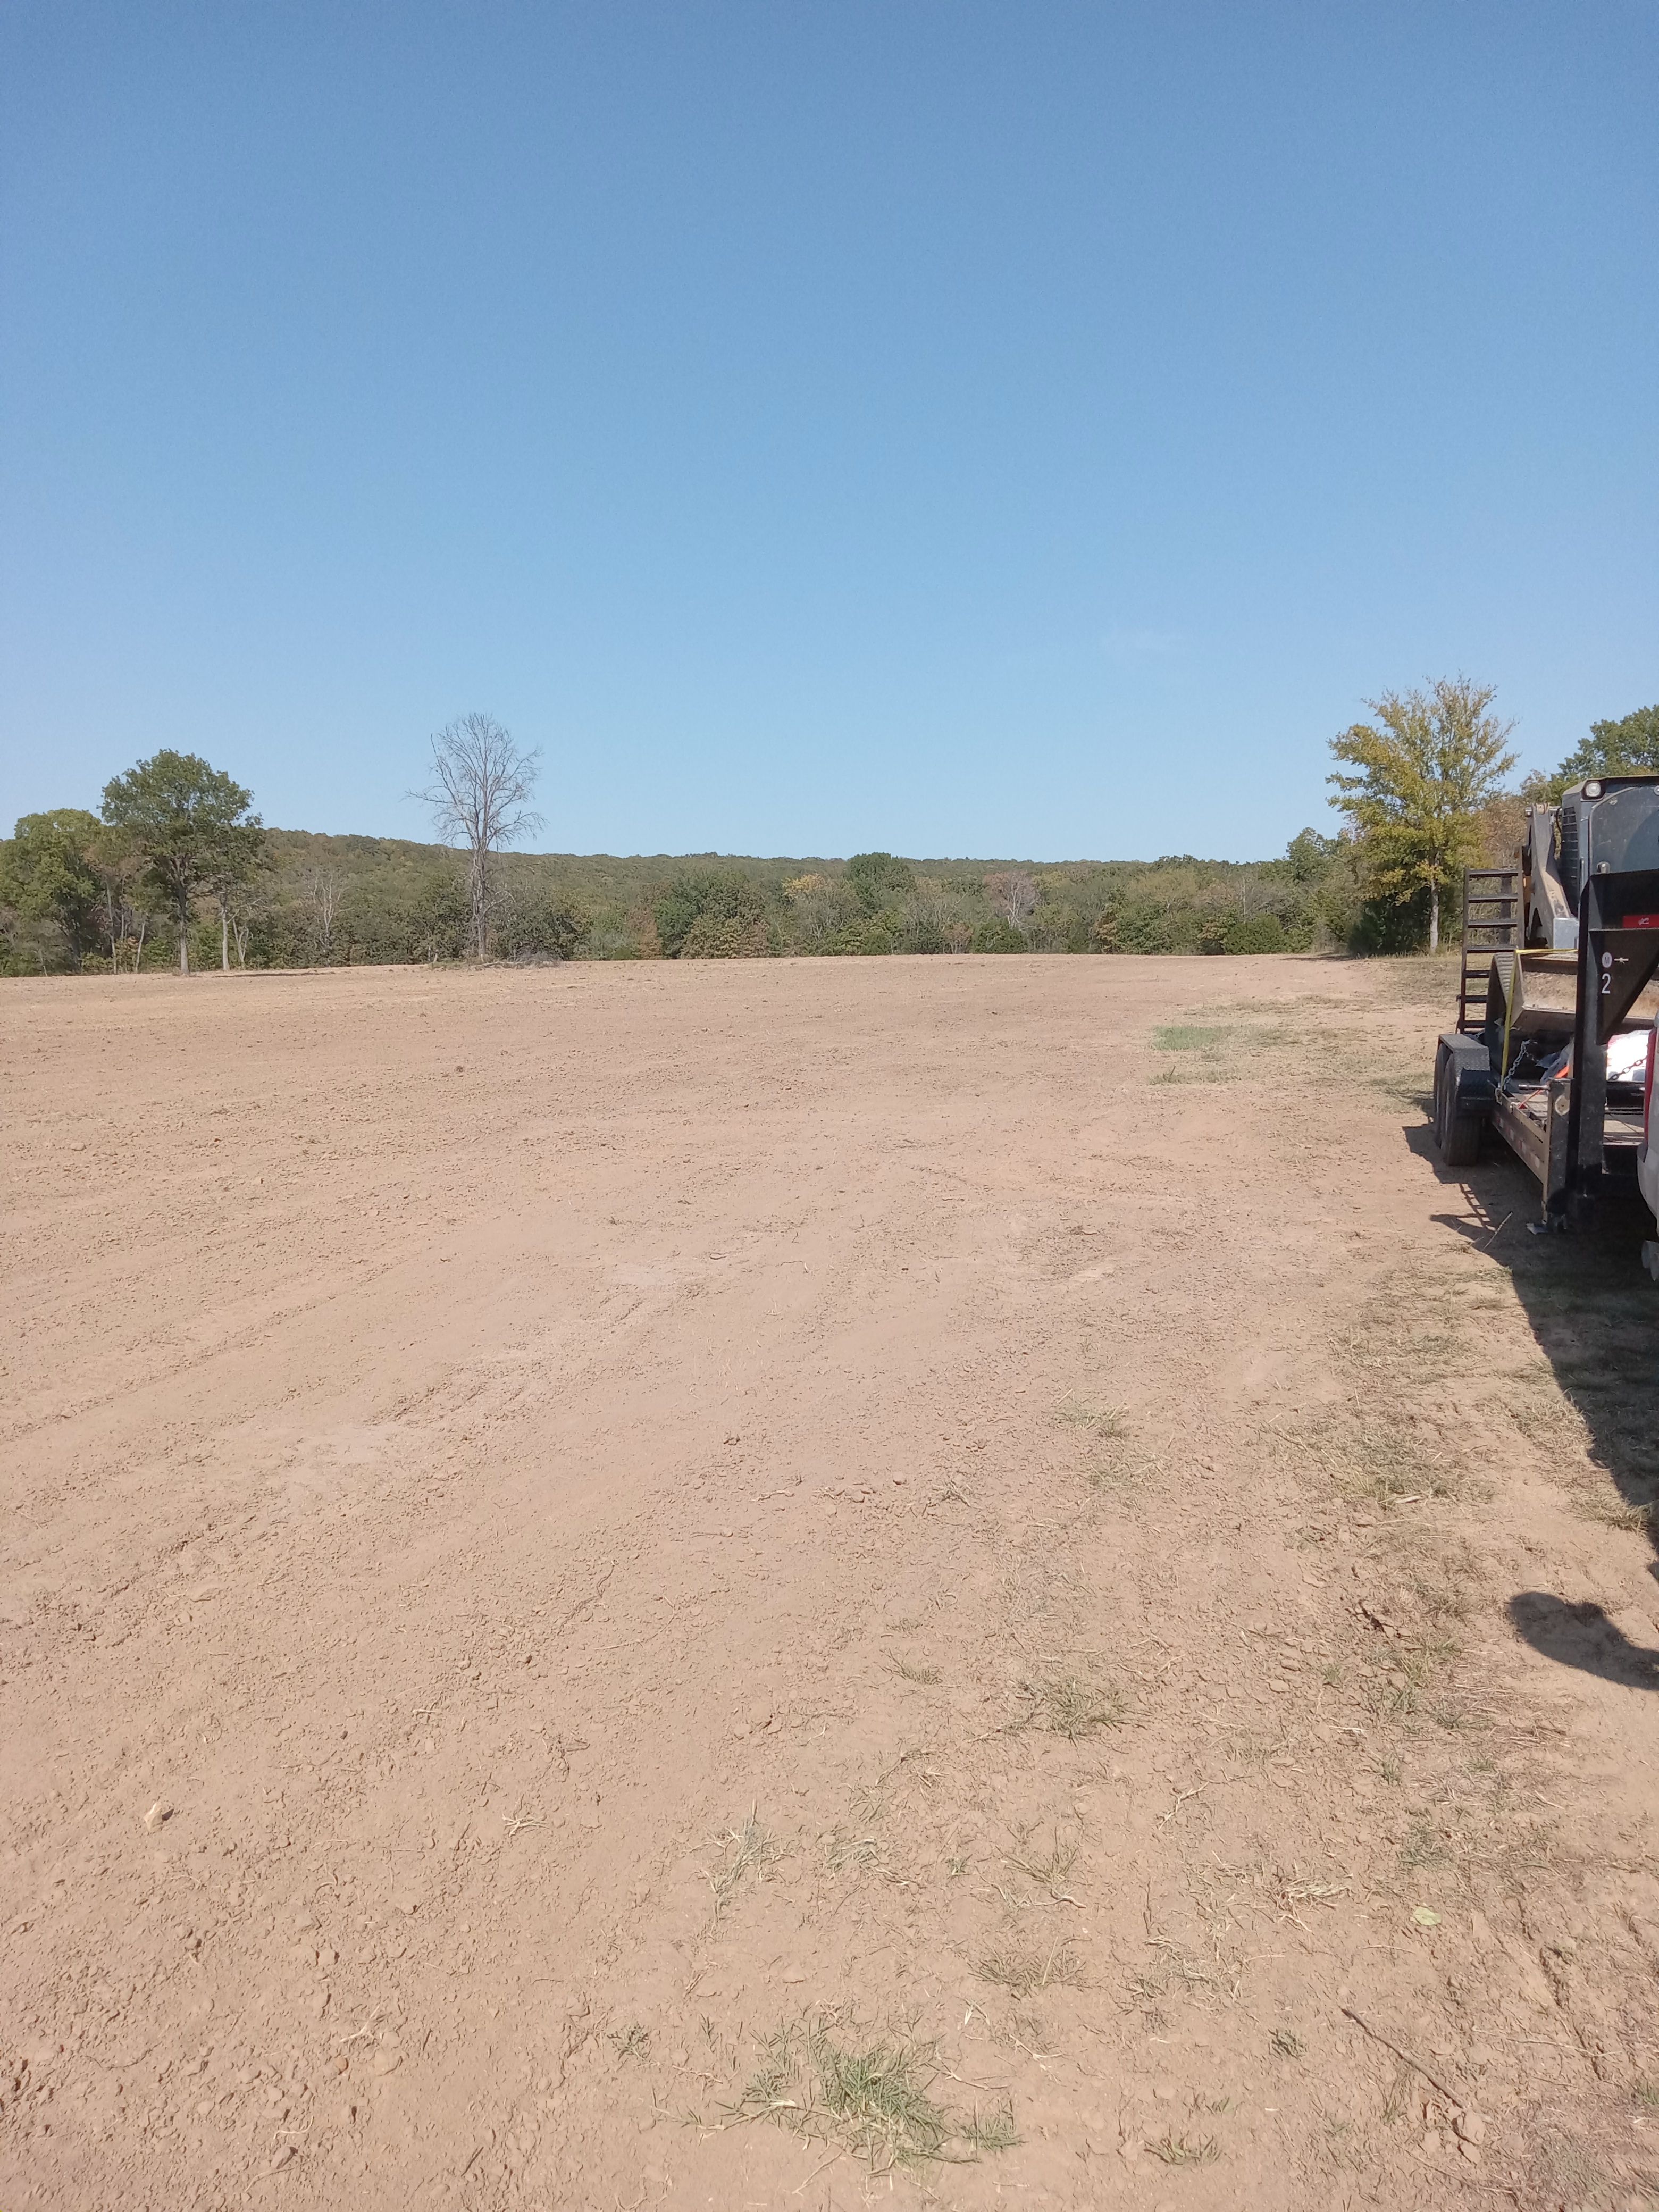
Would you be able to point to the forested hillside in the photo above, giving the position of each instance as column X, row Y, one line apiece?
column 321, row 900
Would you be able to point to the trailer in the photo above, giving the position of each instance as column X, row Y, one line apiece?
column 1554, row 1048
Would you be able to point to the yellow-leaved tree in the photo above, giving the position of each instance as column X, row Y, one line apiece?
column 1413, row 785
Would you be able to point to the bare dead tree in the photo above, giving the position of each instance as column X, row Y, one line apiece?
column 1014, row 895
column 119, row 867
column 324, row 888
column 480, row 800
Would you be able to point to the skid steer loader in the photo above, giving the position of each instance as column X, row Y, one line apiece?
column 1553, row 1046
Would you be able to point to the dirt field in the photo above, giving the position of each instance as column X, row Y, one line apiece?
column 755, row 1584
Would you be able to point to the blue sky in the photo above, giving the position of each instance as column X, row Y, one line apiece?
column 1021, row 430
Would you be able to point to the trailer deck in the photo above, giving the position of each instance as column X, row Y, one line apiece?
column 1560, row 953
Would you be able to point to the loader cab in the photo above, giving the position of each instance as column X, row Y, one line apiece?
column 1607, row 825
column 1613, row 827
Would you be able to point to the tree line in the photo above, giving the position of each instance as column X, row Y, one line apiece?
column 175, row 869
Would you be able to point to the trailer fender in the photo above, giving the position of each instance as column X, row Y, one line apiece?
column 1463, row 1097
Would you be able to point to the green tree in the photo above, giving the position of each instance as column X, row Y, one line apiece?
column 437, row 924
column 878, row 879
column 119, row 867
column 1629, row 746
column 710, row 909
column 537, row 923
column 998, row 935
column 1308, row 857
column 233, row 867
column 50, row 876
column 190, row 823
column 1413, row 785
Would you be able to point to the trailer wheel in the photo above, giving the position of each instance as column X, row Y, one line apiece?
column 1458, row 1126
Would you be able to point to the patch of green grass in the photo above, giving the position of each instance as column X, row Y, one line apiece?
column 878, row 2098
column 633, row 2042
column 1205, row 1045
column 824, row 2081
column 1190, row 1036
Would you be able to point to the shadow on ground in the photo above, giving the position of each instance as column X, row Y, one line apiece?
column 1595, row 1314
column 1582, row 1635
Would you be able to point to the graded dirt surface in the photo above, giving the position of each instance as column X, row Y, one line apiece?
column 752, row 1584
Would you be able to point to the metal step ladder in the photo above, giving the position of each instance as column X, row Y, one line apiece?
column 1492, row 923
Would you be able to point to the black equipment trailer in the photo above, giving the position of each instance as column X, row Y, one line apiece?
column 1559, row 956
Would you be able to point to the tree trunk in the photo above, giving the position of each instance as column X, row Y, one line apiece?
column 224, row 936
column 1434, row 916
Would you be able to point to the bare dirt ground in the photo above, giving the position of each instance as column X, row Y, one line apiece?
column 769, row 1584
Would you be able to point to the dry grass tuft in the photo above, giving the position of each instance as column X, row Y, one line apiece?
column 1180, row 2150
column 861, row 1854
column 750, row 1850
column 1049, row 1868
column 1611, row 1514
column 1108, row 1423
column 1022, row 1970
column 1066, row 1705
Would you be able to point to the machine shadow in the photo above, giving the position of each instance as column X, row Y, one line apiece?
column 1582, row 1635
column 1595, row 1315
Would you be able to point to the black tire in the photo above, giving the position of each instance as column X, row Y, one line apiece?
column 1457, row 1131
column 1440, row 1062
